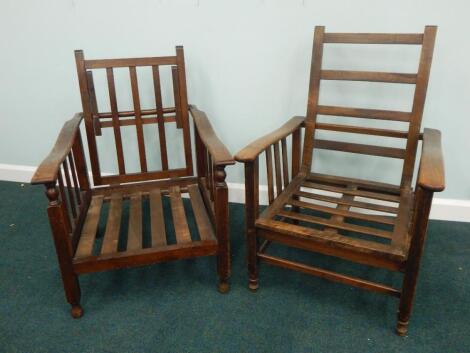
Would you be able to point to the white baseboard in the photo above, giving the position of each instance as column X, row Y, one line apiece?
column 442, row 209
column 18, row 173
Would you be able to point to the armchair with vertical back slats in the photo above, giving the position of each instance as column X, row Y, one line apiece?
column 76, row 207
column 368, row 222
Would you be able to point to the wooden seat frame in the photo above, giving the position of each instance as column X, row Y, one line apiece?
column 297, row 215
column 75, row 205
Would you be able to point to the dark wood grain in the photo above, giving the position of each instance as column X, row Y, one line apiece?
column 134, row 233
column 250, row 152
column 179, row 216
column 49, row 167
column 368, row 76
column 319, row 212
column 75, row 205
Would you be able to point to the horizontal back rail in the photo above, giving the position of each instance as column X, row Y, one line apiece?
column 369, row 76
column 362, row 130
column 364, row 113
column 106, row 63
column 373, row 38
column 413, row 117
column 372, row 150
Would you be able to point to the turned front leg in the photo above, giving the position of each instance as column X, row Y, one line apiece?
column 222, row 228
column 251, row 213
column 60, row 231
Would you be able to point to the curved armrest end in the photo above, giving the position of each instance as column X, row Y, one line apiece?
column 431, row 168
column 220, row 154
column 250, row 152
column 49, row 167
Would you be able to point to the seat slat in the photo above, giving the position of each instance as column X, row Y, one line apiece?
column 157, row 220
column 358, row 204
column 373, row 38
column 343, row 213
column 372, row 150
column 298, row 232
column 179, row 217
column 360, row 183
column 206, row 231
column 369, row 76
column 364, row 113
column 362, row 130
column 134, row 235
column 341, row 207
column 367, row 194
column 90, row 227
column 111, row 235
column 337, row 225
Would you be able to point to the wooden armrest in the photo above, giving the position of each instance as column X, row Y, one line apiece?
column 431, row 168
column 218, row 151
column 250, row 152
column 49, row 168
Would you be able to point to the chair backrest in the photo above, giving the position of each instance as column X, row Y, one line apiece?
column 96, row 120
column 413, row 118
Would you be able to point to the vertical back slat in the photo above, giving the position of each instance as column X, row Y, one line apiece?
column 176, row 93
column 160, row 116
column 296, row 148
column 138, row 118
column 68, row 180
column 93, row 103
column 80, row 163
column 210, row 180
column 313, row 94
column 115, row 119
column 418, row 104
column 87, row 113
column 73, row 169
column 285, row 165
column 184, row 109
column 277, row 167
column 269, row 174
column 63, row 201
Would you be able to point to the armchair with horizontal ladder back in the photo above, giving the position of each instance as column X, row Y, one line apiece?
column 368, row 222
column 75, row 206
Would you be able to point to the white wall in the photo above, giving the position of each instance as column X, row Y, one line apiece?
column 247, row 65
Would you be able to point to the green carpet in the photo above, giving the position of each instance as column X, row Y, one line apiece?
column 175, row 307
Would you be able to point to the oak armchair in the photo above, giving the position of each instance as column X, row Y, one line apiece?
column 75, row 206
column 368, row 222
